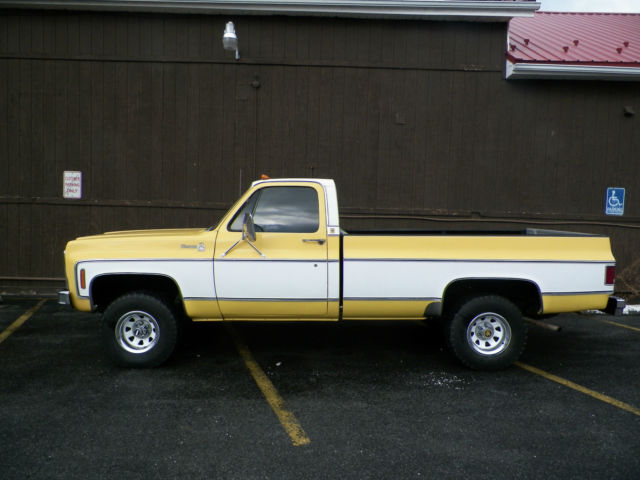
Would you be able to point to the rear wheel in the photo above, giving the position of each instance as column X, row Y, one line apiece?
column 487, row 333
column 139, row 330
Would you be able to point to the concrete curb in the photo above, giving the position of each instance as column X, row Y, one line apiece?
column 631, row 310
column 628, row 310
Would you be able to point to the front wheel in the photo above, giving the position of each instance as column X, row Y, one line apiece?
column 139, row 330
column 487, row 333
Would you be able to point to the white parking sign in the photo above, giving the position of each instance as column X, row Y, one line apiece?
column 615, row 201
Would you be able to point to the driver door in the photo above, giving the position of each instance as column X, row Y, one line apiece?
column 285, row 275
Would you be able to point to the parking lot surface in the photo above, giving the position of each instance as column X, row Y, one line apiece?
column 377, row 400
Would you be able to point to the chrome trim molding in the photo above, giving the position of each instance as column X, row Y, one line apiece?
column 276, row 260
column 571, row 294
column 292, row 300
column 475, row 260
column 144, row 260
column 552, row 71
column 400, row 9
column 392, row 299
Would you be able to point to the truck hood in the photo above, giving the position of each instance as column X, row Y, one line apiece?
column 187, row 243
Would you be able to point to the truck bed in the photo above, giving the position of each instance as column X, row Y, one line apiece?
column 408, row 270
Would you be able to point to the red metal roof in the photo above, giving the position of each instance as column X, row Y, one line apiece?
column 611, row 39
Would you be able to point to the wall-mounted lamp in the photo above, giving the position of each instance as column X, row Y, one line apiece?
column 230, row 39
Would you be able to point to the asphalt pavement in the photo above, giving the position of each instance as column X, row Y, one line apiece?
column 355, row 400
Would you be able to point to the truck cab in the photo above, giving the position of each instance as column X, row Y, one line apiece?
column 290, row 268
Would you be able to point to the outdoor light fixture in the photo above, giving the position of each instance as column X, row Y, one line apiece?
column 230, row 39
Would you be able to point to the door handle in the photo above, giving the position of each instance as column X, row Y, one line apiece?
column 309, row 240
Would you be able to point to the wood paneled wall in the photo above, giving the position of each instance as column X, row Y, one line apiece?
column 413, row 119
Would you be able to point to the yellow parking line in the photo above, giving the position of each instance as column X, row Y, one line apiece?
column 21, row 319
column 622, row 325
column 580, row 388
column 287, row 418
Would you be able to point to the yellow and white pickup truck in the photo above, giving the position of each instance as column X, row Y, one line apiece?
column 279, row 254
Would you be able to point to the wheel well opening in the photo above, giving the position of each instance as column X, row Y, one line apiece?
column 524, row 294
column 105, row 289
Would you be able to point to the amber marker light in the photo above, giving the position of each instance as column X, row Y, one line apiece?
column 83, row 279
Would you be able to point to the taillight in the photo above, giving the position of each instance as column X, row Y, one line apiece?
column 609, row 275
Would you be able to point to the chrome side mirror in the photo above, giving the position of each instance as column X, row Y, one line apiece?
column 248, row 235
column 248, row 228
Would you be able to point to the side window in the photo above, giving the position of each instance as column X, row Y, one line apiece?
column 248, row 207
column 281, row 209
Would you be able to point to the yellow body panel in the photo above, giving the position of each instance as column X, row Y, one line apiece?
column 479, row 247
column 573, row 303
column 272, row 309
column 191, row 244
column 203, row 310
column 81, row 304
column 275, row 246
column 333, row 248
column 385, row 309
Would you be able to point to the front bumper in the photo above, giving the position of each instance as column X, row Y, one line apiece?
column 64, row 297
column 615, row 306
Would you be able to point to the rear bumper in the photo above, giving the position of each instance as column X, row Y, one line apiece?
column 615, row 306
column 64, row 298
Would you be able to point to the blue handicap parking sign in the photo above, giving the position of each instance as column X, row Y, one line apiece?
column 615, row 201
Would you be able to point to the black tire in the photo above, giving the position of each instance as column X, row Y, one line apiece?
column 487, row 333
column 139, row 330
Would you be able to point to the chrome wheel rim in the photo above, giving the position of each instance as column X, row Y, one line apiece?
column 137, row 332
column 488, row 333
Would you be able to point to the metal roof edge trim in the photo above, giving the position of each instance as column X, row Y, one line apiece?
column 528, row 71
column 403, row 9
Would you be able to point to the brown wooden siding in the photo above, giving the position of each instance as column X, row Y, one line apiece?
column 413, row 119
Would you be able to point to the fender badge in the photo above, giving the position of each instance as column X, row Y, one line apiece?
column 200, row 247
